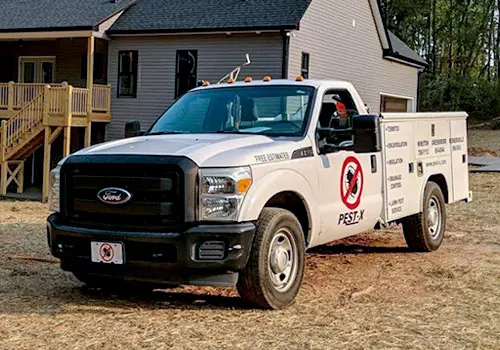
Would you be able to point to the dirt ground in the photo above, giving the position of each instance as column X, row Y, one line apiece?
column 363, row 293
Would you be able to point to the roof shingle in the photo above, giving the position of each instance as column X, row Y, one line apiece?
column 401, row 50
column 29, row 15
column 210, row 15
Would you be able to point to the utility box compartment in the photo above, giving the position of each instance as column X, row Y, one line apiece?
column 418, row 147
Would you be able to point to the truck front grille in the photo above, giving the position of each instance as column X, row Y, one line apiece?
column 157, row 188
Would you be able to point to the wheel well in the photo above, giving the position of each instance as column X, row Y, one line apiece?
column 294, row 203
column 440, row 180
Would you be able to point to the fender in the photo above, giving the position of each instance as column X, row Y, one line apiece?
column 274, row 182
column 422, row 189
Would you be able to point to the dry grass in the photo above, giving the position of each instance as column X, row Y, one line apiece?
column 489, row 139
column 363, row 293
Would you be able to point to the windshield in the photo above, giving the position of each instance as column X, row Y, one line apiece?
column 265, row 110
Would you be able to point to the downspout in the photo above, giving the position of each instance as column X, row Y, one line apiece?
column 420, row 72
column 285, row 54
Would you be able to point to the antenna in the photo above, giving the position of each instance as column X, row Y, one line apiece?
column 247, row 56
column 236, row 72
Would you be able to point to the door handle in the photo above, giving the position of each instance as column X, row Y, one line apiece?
column 373, row 160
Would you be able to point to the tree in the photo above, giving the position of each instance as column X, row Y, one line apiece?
column 460, row 39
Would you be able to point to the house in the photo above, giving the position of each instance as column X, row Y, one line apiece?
column 73, row 72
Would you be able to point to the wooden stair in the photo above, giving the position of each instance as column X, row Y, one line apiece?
column 20, row 136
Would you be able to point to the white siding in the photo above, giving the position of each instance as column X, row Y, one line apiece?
column 343, row 43
column 217, row 56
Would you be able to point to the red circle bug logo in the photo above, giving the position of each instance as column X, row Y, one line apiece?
column 106, row 252
column 351, row 183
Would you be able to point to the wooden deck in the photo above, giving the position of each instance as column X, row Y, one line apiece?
column 35, row 115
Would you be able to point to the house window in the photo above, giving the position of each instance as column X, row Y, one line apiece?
column 304, row 70
column 98, row 67
column 127, row 73
column 186, row 70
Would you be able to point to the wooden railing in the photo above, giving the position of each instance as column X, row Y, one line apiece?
column 55, row 99
column 79, row 104
column 14, row 97
column 101, row 98
column 25, row 93
column 4, row 95
column 25, row 122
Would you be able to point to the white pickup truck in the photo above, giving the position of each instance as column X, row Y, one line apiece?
column 234, row 182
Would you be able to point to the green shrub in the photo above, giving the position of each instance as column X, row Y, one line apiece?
column 476, row 96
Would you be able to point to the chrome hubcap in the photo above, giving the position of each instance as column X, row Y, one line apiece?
column 434, row 218
column 282, row 260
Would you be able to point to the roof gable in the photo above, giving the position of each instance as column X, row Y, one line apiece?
column 176, row 16
column 400, row 50
column 44, row 15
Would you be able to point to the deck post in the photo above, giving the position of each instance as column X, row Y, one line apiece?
column 46, row 101
column 3, row 163
column 10, row 100
column 3, row 178
column 90, row 87
column 3, row 140
column 67, row 124
column 108, row 105
column 46, row 164
column 20, row 183
column 88, row 135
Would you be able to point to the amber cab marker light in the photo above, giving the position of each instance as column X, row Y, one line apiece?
column 206, row 83
column 266, row 78
column 248, row 79
column 230, row 81
column 299, row 78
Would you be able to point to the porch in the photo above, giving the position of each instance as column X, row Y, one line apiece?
column 15, row 96
column 35, row 115
column 52, row 86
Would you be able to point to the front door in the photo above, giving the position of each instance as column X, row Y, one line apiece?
column 186, row 70
column 36, row 70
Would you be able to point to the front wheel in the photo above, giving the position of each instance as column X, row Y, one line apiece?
column 274, row 272
column 424, row 232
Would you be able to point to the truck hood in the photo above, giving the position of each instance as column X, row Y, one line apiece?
column 206, row 150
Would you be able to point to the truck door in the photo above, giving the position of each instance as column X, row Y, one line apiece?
column 350, row 196
column 460, row 170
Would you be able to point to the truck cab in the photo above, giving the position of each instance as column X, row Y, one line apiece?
column 235, row 181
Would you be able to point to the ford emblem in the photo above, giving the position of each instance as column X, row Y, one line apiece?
column 114, row 195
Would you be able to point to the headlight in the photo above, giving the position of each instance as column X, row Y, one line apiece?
column 222, row 192
column 54, row 190
column 55, row 187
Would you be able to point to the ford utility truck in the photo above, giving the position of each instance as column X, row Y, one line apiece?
column 235, row 181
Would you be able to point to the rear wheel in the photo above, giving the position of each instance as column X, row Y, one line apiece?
column 274, row 272
column 424, row 232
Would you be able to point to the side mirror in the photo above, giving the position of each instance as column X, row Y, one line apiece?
column 133, row 129
column 366, row 132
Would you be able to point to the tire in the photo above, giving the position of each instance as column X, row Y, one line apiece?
column 424, row 232
column 274, row 272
